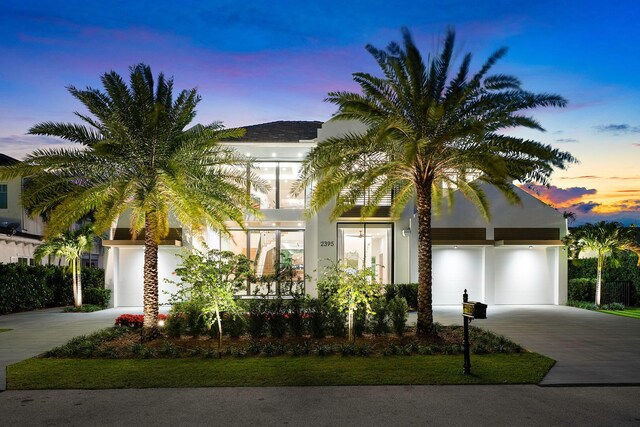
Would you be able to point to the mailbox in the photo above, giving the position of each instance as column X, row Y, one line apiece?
column 475, row 310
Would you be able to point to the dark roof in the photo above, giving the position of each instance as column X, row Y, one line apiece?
column 6, row 160
column 281, row 131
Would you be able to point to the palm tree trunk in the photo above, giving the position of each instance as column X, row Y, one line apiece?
column 599, row 280
column 79, row 282
column 74, row 281
column 425, row 309
column 150, row 322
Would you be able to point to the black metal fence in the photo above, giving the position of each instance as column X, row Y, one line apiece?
column 616, row 292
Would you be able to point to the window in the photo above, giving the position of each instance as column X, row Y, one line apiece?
column 26, row 261
column 280, row 177
column 364, row 245
column 3, row 196
column 277, row 258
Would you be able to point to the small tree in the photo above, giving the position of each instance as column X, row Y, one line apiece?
column 70, row 246
column 349, row 289
column 606, row 239
column 210, row 280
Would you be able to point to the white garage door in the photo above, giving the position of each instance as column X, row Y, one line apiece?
column 455, row 270
column 523, row 276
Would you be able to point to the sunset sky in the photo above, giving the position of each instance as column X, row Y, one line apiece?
column 256, row 62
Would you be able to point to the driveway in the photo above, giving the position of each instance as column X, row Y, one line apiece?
column 589, row 347
column 35, row 332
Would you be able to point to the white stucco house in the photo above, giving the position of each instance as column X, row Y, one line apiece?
column 516, row 258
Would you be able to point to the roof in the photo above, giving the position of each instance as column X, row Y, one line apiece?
column 280, row 131
column 6, row 160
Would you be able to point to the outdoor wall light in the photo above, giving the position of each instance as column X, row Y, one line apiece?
column 273, row 154
column 455, row 246
column 530, row 247
column 248, row 154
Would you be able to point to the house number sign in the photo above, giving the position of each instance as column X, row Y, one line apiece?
column 326, row 243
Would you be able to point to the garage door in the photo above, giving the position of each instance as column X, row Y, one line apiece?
column 523, row 276
column 455, row 270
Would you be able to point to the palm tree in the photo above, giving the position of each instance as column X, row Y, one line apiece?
column 428, row 134
column 70, row 245
column 606, row 239
column 137, row 154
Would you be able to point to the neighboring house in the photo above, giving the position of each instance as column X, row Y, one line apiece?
column 516, row 258
column 20, row 234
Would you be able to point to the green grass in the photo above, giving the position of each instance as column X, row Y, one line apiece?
column 4, row 330
column 41, row 373
column 86, row 308
column 631, row 312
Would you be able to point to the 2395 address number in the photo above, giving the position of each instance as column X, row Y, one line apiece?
column 326, row 243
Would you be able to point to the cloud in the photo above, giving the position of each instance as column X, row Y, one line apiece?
column 617, row 129
column 583, row 207
column 637, row 144
column 580, row 177
column 557, row 196
column 562, row 140
column 18, row 146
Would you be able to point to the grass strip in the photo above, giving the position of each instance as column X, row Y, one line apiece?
column 38, row 373
column 635, row 313
column 4, row 330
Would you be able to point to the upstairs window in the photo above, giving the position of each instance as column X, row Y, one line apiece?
column 280, row 177
column 3, row 196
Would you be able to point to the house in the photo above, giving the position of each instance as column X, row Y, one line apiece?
column 516, row 258
column 20, row 233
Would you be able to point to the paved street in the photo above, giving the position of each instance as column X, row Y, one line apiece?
column 590, row 348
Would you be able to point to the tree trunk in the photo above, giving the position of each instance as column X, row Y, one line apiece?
column 352, row 338
column 79, row 283
column 219, row 332
column 150, row 323
column 74, row 281
column 425, row 300
column 599, row 280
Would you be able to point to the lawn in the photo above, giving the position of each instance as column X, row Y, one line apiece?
column 52, row 373
column 4, row 330
column 629, row 312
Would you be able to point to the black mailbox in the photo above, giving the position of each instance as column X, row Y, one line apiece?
column 476, row 310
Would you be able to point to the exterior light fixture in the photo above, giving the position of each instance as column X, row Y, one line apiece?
column 455, row 246
column 299, row 154
column 273, row 224
column 161, row 323
column 530, row 247
column 248, row 154
column 299, row 224
column 273, row 154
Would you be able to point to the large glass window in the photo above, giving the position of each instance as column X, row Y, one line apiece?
column 366, row 245
column 3, row 196
column 277, row 258
column 280, row 177
column 268, row 172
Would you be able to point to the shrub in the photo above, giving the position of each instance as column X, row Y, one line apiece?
column 613, row 306
column 134, row 320
column 582, row 304
column 295, row 316
column 379, row 323
column 582, row 289
column 96, row 296
column 397, row 309
column 275, row 315
column 408, row 291
column 316, row 310
column 360, row 322
column 234, row 326
column 176, row 325
column 257, row 321
column 336, row 322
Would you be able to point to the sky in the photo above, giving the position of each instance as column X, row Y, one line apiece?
column 257, row 61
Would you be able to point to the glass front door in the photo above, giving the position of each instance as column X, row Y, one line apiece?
column 367, row 245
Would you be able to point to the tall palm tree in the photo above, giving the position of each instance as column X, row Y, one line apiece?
column 606, row 239
column 429, row 131
column 69, row 245
column 138, row 154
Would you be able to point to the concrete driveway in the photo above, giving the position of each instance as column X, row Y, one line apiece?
column 589, row 347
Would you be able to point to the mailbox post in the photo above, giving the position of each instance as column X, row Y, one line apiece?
column 470, row 310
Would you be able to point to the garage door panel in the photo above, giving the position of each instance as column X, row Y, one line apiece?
column 455, row 270
column 523, row 276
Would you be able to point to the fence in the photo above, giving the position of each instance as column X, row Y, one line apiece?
column 616, row 292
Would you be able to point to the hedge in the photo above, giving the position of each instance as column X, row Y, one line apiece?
column 24, row 287
column 408, row 291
